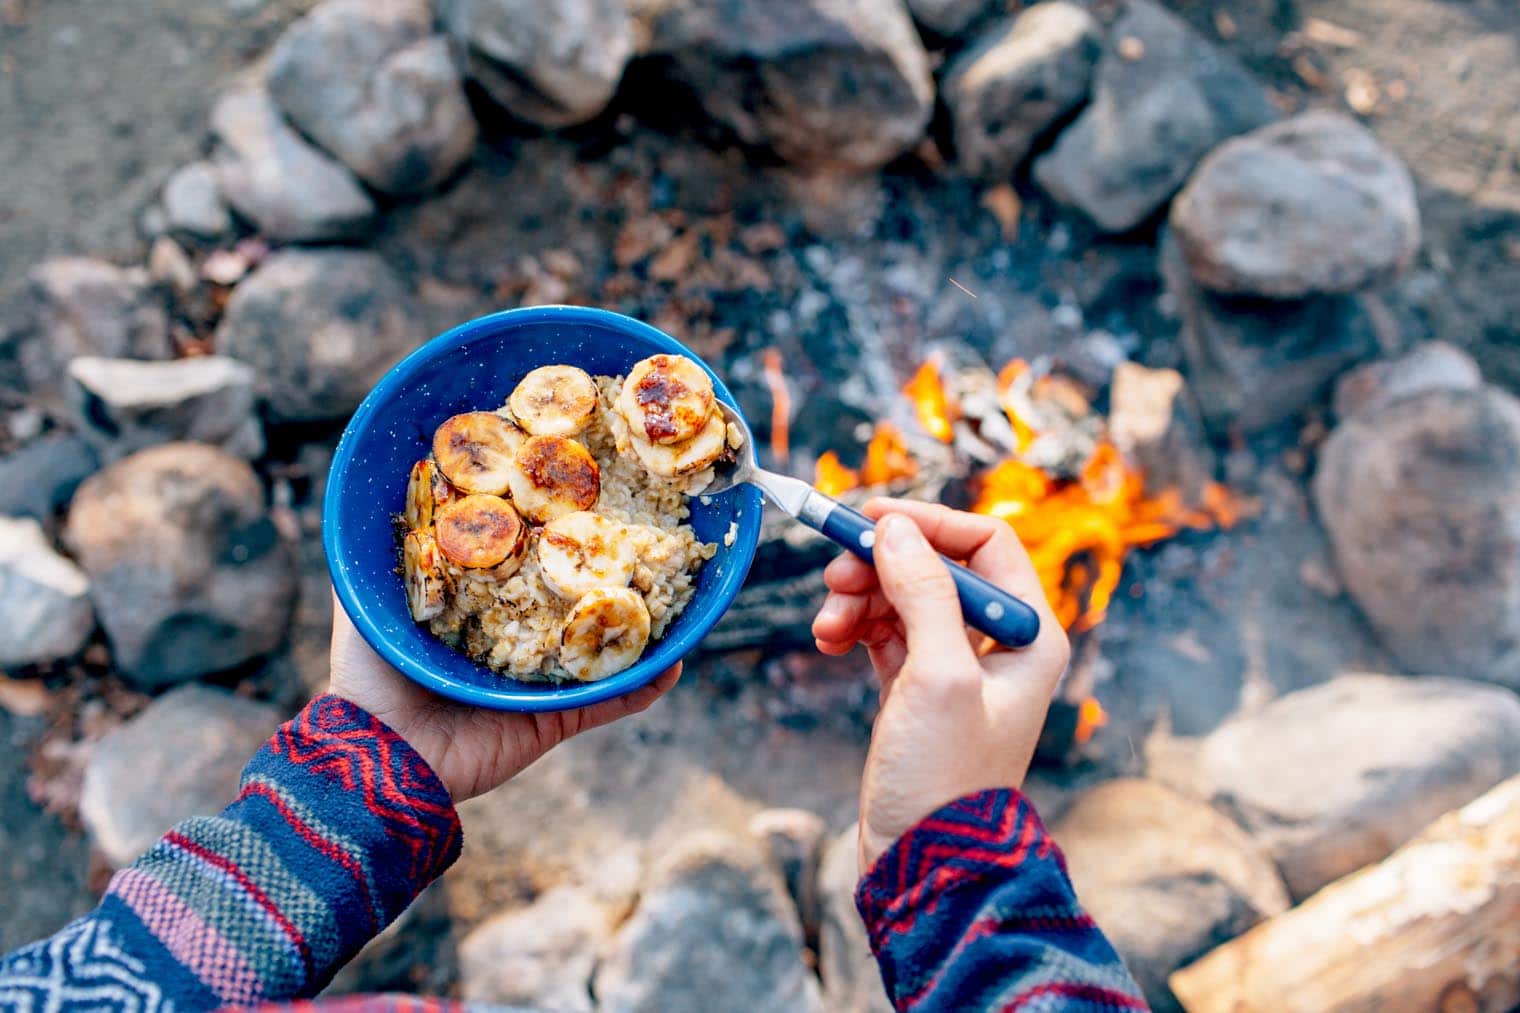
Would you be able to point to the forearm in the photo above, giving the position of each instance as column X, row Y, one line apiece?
column 972, row 910
column 338, row 826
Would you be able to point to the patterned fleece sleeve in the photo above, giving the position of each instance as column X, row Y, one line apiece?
column 972, row 910
column 338, row 826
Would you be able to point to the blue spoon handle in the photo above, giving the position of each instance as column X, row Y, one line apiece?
column 984, row 605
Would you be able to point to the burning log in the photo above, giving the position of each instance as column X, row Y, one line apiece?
column 1435, row 926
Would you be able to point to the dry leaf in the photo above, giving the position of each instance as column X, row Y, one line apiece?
column 1306, row 69
column 1328, row 34
column 25, row 698
column 676, row 258
column 762, row 237
column 639, row 238
column 1362, row 91
column 1003, row 203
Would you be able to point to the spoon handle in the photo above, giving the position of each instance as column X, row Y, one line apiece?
column 985, row 606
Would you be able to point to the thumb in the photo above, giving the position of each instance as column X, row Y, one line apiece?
column 918, row 585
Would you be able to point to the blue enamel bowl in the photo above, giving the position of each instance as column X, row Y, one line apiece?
column 474, row 367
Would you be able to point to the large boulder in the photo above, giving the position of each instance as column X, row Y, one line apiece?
column 714, row 929
column 1254, row 362
column 1016, row 82
column 851, row 980
column 1434, row 365
column 1335, row 777
column 369, row 82
column 551, row 62
column 179, row 758
column 319, row 327
column 794, row 840
column 1162, row 99
column 825, row 84
column 1167, row 877
column 77, row 306
column 1421, row 499
column 1311, row 205
column 45, row 611
column 40, row 477
column 540, row 956
column 189, row 574
column 123, row 405
column 274, row 178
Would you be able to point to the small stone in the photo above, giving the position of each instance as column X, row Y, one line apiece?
column 40, row 477
column 555, row 63
column 1155, row 424
column 320, row 327
column 1335, row 777
column 1016, row 81
column 949, row 19
column 541, row 956
column 825, row 84
column 851, row 979
column 169, row 264
column 179, row 758
column 123, row 405
column 794, row 840
column 1154, row 114
column 193, row 202
column 1165, row 876
column 288, row 189
column 1421, row 499
column 189, row 575
column 369, row 82
column 1312, row 205
column 45, row 611
column 715, row 930
column 78, row 306
column 1434, row 365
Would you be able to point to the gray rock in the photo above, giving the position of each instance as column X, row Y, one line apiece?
column 181, row 757
column 949, row 18
column 188, row 574
column 1167, row 877
column 1016, row 81
column 1162, row 98
column 714, row 930
column 551, row 62
column 45, row 611
column 851, row 980
column 40, row 477
column 192, row 202
column 542, row 955
column 123, row 405
column 288, row 189
column 1156, row 425
column 1421, row 499
column 78, row 306
column 1332, row 778
column 1254, row 362
column 319, row 327
column 794, row 840
column 368, row 81
column 1434, row 365
column 1312, row 205
column 825, row 84
column 169, row 264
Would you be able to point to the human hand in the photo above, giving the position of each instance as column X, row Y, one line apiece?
column 472, row 750
column 951, row 722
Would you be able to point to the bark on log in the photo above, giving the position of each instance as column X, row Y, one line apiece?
column 1435, row 926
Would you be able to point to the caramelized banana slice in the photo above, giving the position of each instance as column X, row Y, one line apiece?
column 580, row 552
column 480, row 532
column 419, row 495
column 604, row 634
column 684, row 458
column 553, row 476
column 474, row 451
column 555, row 401
column 667, row 399
column 427, row 581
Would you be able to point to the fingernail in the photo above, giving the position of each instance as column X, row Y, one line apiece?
column 899, row 534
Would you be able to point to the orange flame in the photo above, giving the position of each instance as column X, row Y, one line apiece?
column 1023, row 433
column 781, row 406
column 1090, row 717
column 932, row 404
column 887, row 460
column 831, row 477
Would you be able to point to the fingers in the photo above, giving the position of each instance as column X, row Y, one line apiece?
column 849, row 574
column 917, row 584
column 987, row 544
column 843, row 617
column 628, row 705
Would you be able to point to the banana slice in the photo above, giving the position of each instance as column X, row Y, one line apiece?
column 667, row 399
column 426, row 491
column 555, row 401
column 684, row 458
column 474, row 451
column 427, row 581
column 552, row 476
column 580, row 552
column 604, row 634
column 481, row 532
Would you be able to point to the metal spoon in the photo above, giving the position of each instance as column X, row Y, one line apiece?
column 984, row 605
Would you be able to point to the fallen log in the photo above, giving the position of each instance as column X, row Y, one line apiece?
column 1435, row 926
